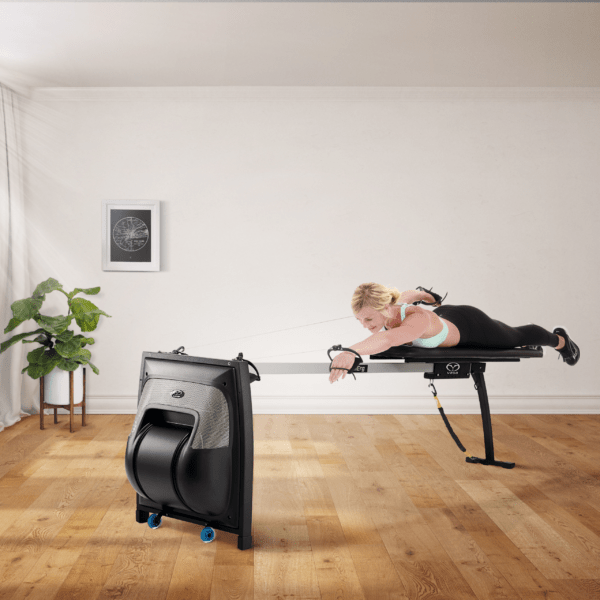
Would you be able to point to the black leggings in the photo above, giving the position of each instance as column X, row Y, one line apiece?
column 477, row 330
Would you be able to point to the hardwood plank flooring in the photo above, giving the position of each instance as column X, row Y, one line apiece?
column 380, row 507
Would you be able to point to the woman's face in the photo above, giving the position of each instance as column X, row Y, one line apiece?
column 372, row 319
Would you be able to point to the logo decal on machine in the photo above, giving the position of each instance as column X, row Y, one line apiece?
column 177, row 394
column 452, row 368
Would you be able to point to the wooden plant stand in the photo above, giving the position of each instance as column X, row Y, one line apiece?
column 70, row 406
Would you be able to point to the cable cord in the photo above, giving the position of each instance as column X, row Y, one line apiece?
column 438, row 299
column 292, row 353
column 448, row 426
column 269, row 333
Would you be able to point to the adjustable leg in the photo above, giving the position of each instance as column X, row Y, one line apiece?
column 487, row 427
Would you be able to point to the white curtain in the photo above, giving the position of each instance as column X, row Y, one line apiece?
column 16, row 399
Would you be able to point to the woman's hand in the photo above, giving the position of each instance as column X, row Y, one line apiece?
column 344, row 360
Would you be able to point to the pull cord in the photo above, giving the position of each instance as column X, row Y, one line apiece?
column 271, row 332
column 449, row 427
column 438, row 299
column 292, row 353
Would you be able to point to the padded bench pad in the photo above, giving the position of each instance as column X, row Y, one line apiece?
column 462, row 354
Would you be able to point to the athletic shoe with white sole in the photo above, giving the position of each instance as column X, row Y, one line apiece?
column 570, row 351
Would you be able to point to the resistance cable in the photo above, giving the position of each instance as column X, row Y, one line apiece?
column 451, row 431
column 271, row 332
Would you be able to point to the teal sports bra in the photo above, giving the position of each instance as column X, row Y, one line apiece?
column 432, row 342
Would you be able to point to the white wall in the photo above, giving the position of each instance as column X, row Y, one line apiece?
column 278, row 202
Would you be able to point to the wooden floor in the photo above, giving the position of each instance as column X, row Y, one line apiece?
column 375, row 507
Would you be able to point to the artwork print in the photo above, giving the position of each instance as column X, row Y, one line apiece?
column 130, row 235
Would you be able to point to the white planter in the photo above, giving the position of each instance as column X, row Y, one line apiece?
column 56, row 386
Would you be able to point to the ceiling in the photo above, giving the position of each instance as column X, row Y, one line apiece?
column 453, row 44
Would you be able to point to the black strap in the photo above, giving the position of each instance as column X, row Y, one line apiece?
column 253, row 377
column 454, row 436
column 448, row 426
column 179, row 350
column 437, row 297
column 352, row 369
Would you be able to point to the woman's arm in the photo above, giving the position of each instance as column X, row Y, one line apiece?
column 410, row 296
column 413, row 327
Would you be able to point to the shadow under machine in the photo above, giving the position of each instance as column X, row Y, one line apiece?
column 190, row 453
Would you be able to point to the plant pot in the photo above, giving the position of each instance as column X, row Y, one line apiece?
column 56, row 386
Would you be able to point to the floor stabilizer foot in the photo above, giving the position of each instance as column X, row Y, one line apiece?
column 492, row 463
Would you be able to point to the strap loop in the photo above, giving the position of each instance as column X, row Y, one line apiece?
column 437, row 297
column 447, row 423
column 352, row 369
column 179, row 350
column 253, row 377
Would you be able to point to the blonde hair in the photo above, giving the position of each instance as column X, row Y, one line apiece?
column 373, row 295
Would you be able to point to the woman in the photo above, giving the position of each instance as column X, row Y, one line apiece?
column 393, row 321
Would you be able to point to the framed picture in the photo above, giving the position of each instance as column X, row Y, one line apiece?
column 131, row 235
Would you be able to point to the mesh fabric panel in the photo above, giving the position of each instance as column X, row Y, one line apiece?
column 209, row 401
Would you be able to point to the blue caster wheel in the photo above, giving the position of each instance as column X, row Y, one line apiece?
column 154, row 521
column 207, row 535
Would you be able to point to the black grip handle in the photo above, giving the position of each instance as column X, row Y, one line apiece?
column 339, row 348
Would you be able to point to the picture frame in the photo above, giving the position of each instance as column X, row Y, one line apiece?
column 131, row 235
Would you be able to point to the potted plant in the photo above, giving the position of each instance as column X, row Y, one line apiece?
column 61, row 350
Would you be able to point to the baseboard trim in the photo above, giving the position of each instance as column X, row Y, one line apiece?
column 397, row 405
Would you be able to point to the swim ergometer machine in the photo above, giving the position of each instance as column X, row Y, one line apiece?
column 190, row 454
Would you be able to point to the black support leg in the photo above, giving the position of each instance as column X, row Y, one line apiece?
column 141, row 516
column 244, row 542
column 487, row 427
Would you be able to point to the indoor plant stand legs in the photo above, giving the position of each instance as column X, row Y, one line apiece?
column 70, row 406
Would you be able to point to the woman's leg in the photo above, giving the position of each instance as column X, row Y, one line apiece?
column 477, row 330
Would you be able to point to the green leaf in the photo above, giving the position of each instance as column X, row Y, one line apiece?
column 89, row 291
column 67, row 365
column 65, row 336
column 36, row 371
column 50, row 357
column 17, row 338
column 39, row 370
column 50, row 285
column 86, row 314
column 55, row 325
column 69, row 349
column 83, row 354
column 87, row 362
column 35, row 355
column 26, row 309
column 88, row 321
column 85, row 341
column 40, row 339
column 94, row 368
column 13, row 324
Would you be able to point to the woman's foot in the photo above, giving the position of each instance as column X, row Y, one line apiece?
column 567, row 348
